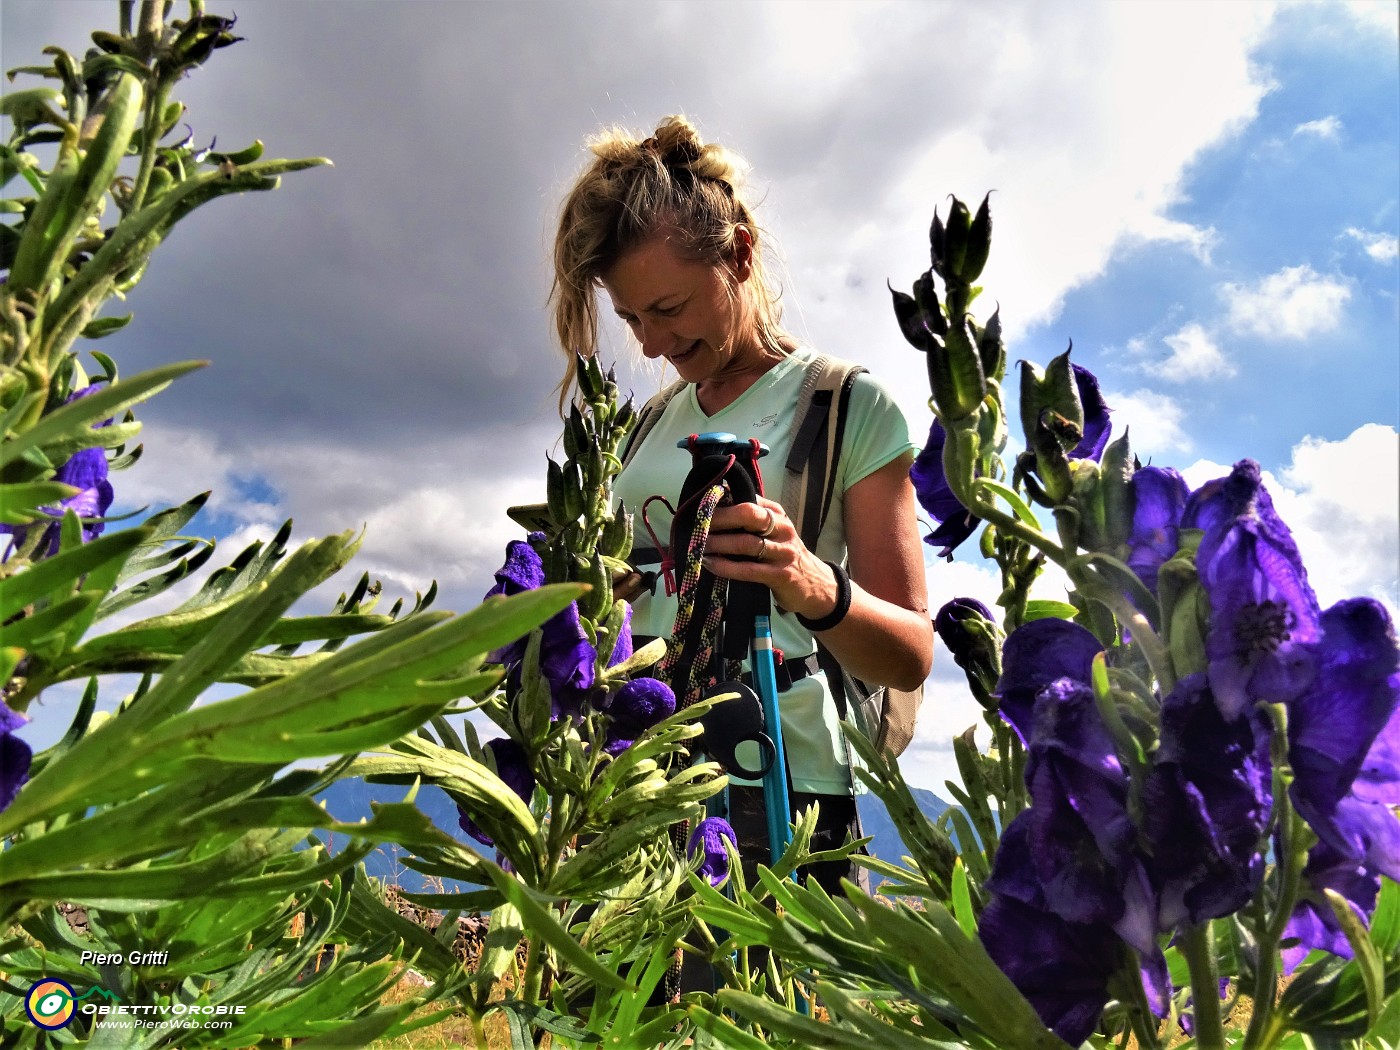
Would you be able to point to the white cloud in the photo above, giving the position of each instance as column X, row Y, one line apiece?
column 1194, row 356
column 1154, row 419
column 1200, row 242
column 1382, row 247
column 1342, row 501
column 1294, row 303
column 1326, row 128
column 1376, row 15
column 1085, row 158
column 415, row 531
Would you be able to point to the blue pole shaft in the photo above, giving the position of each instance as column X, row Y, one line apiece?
column 775, row 795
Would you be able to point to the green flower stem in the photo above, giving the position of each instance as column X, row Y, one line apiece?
column 1140, row 1020
column 1197, row 945
column 532, row 981
column 1067, row 528
column 1153, row 648
column 478, row 1024
column 151, row 24
column 1009, row 524
column 155, row 108
column 1265, row 1026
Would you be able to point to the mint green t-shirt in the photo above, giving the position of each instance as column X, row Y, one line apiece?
column 876, row 433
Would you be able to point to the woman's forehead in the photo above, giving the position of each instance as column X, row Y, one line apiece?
column 651, row 271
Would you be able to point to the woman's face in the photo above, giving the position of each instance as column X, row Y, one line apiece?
column 690, row 313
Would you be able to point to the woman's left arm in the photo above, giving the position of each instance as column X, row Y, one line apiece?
column 886, row 637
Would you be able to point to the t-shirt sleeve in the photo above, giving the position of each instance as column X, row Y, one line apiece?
column 876, row 431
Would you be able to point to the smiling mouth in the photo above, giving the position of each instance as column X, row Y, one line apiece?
column 678, row 358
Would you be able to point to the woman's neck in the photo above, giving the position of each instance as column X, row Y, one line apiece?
column 743, row 371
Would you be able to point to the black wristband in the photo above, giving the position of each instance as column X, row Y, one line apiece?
column 843, row 604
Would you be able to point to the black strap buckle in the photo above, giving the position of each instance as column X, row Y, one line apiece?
column 736, row 721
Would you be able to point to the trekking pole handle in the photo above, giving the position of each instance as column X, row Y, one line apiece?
column 718, row 442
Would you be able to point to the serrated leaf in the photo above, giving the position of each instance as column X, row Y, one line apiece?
column 55, row 577
column 64, row 424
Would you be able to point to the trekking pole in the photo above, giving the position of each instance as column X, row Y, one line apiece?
column 748, row 620
column 763, row 668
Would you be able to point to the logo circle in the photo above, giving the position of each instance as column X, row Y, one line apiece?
column 49, row 1003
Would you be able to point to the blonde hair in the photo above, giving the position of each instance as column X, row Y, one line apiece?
column 633, row 189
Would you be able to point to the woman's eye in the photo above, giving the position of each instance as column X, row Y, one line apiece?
column 669, row 311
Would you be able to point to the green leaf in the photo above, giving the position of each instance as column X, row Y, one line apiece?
column 1012, row 498
column 19, row 504
column 544, row 1020
column 54, row 578
column 28, row 103
column 59, row 427
column 105, row 326
column 1366, row 956
column 18, row 411
column 97, row 764
column 962, row 901
column 728, row 1034
column 542, row 923
column 1048, row 609
column 32, row 631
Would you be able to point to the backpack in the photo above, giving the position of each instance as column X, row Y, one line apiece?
column 885, row 716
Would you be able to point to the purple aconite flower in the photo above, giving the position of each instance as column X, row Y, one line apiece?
column 15, row 755
column 1159, row 496
column 1080, row 839
column 522, row 571
column 1062, row 968
column 1096, row 413
column 86, row 470
column 707, row 841
column 1036, row 654
column 568, row 660
column 968, row 629
column 638, row 705
column 513, row 767
column 955, row 523
column 1344, row 738
column 622, row 648
column 1205, row 806
column 1263, row 612
column 1071, row 859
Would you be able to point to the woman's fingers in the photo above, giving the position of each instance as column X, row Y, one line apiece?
column 763, row 518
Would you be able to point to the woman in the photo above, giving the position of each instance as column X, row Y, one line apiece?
column 661, row 227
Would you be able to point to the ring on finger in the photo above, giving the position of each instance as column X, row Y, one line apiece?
column 762, row 546
column 772, row 524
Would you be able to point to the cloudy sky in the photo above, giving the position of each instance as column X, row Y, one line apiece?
column 1202, row 196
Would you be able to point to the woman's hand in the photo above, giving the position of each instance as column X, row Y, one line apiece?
column 758, row 543
column 886, row 637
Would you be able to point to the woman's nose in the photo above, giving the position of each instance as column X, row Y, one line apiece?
column 656, row 340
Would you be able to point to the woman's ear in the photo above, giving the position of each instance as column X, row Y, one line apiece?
column 743, row 253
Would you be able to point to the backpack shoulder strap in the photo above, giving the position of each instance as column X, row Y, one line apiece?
column 648, row 417
column 810, row 470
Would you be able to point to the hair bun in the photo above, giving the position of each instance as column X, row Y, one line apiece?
column 676, row 142
column 679, row 147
